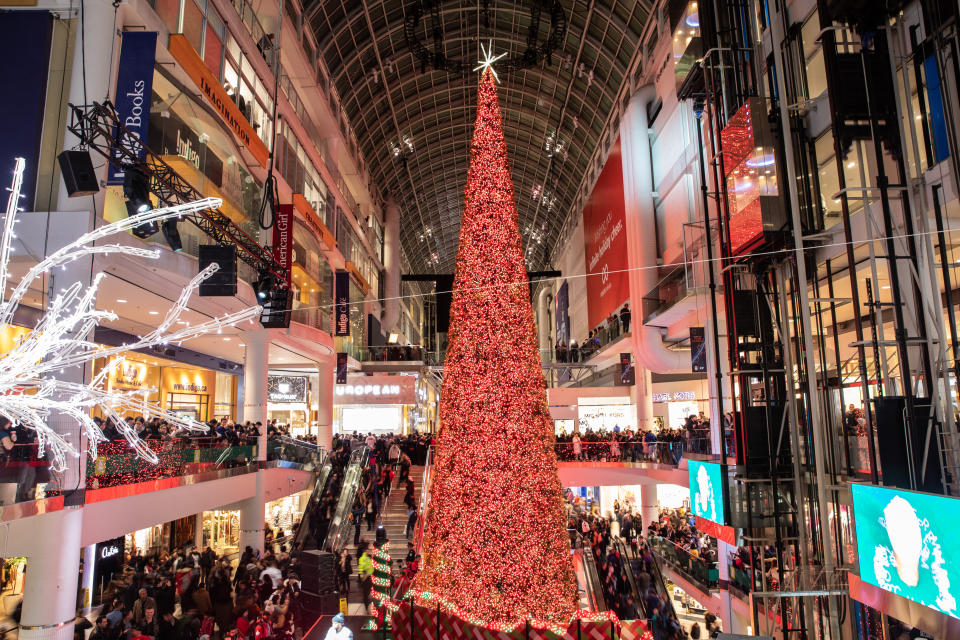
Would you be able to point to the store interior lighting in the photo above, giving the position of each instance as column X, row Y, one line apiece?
column 393, row 337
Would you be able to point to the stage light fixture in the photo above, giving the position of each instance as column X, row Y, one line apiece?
column 172, row 234
column 136, row 189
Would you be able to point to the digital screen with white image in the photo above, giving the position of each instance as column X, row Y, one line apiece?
column 907, row 544
column 707, row 488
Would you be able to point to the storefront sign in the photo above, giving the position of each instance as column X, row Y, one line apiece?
column 108, row 551
column 181, row 49
column 698, row 350
column 134, row 90
column 341, row 303
column 376, row 390
column 605, row 240
column 283, row 238
column 286, row 388
column 678, row 396
column 169, row 135
column 341, row 368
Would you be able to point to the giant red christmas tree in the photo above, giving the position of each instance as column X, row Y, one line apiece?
column 495, row 550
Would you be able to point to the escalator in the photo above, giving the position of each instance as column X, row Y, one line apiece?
column 632, row 570
column 304, row 537
column 338, row 533
column 589, row 587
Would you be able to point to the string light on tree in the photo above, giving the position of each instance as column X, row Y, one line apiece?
column 495, row 550
column 31, row 389
column 381, row 580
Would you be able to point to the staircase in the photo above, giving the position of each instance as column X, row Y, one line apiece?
column 393, row 518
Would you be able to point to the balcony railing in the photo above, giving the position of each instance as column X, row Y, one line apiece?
column 704, row 574
column 670, row 289
column 661, row 452
column 118, row 464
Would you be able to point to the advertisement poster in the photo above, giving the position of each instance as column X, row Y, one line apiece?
column 341, row 368
column 134, row 90
column 627, row 375
column 341, row 303
column 605, row 240
column 286, row 389
column 698, row 350
column 707, row 487
column 906, row 544
column 283, row 238
column 563, row 314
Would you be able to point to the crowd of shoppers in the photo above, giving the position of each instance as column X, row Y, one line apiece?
column 664, row 445
column 616, row 325
column 198, row 595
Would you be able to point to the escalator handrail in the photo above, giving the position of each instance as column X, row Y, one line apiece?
column 661, row 582
column 351, row 483
column 323, row 476
column 638, row 598
column 590, row 575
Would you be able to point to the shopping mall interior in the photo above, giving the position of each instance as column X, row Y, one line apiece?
column 479, row 319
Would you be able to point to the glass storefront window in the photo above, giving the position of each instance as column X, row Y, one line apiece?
column 193, row 23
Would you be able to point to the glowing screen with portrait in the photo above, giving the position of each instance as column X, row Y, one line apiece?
column 906, row 544
column 708, row 491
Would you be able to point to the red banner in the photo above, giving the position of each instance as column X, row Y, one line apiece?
column 605, row 240
column 283, row 238
column 718, row 531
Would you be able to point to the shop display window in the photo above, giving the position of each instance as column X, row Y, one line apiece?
column 189, row 404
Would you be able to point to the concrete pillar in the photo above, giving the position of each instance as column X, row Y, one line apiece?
column 644, row 396
column 50, row 585
column 391, row 260
column 198, row 532
column 255, row 367
column 327, row 372
column 96, row 47
column 649, row 505
column 725, row 552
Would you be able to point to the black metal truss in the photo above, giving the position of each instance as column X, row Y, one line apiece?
column 99, row 128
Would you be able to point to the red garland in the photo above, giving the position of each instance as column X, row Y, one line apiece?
column 495, row 547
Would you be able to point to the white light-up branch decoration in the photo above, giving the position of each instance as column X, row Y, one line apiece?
column 31, row 391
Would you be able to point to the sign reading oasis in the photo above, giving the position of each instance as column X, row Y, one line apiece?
column 907, row 544
column 286, row 388
column 707, row 491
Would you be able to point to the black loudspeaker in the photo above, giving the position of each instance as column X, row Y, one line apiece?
column 756, row 437
column 317, row 604
column 224, row 281
column 317, row 572
column 895, row 441
column 78, row 173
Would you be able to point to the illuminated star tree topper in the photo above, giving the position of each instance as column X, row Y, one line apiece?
column 487, row 61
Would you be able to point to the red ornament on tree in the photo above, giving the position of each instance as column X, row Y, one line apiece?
column 496, row 552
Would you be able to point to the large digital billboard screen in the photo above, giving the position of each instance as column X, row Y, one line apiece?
column 707, row 491
column 907, row 544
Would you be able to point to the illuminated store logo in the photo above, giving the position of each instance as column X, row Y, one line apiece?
column 368, row 390
column 287, row 389
column 677, row 396
column 109, row 551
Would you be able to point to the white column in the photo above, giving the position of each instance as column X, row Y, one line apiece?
column 725, row 552
column 198, row 532
column 649, row 505
column 644, row 392
column 50, row 587
column 324, row 395
column 99, row 42
column 255, row 367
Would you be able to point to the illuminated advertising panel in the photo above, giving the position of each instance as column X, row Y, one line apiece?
column 707, row 489
column 907, row 544
column 605, row 240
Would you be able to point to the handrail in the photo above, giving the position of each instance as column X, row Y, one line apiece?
column 693, row 567
column 591, row 576
column 421, row 514
column 661, row 584
column 638, row 598
column 323, row 476
column 351, row 482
